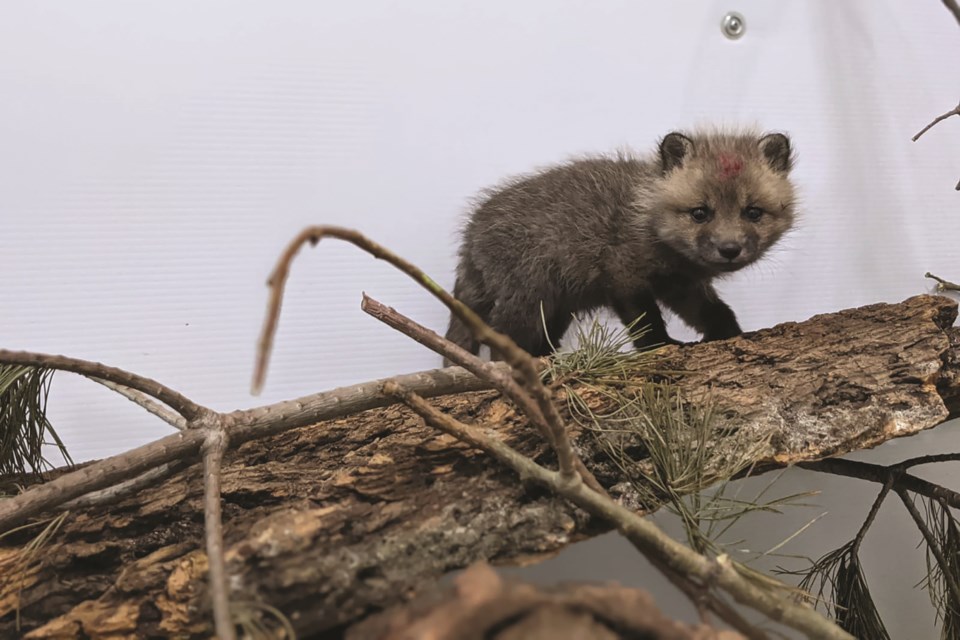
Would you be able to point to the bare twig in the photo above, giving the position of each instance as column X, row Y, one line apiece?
column 953, row 8
column 874, row 510
column 943, row 116
column 645, row 535
column 704, row 598
column 99, row 475
column 931, row 541
column 519, row 359
column 122, row 490
column 179, row 403
column 928, row 459
column 879, row 473
column 495, row 372
column 942, row 285
column 140, row 398
column 214, row 446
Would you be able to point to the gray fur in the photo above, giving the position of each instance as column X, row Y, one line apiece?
column 625, row 232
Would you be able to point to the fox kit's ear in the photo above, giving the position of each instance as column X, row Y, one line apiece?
column 776, row 150
column 673, row 149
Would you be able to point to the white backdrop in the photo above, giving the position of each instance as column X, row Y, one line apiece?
column 155, row 158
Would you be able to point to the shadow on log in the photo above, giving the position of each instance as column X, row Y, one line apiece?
column 332, row 522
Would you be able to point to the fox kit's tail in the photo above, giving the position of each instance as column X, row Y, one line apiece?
column 468, row 290
column 457, row 332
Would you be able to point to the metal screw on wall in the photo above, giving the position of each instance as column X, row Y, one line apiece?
column 733, row 25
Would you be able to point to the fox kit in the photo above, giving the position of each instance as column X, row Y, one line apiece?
column 625, row 232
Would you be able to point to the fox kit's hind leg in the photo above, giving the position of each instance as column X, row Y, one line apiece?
column 537, row 335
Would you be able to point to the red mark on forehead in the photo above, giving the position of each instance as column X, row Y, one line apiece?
column 729, row 165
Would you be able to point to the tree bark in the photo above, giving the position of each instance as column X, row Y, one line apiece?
column 331, row 522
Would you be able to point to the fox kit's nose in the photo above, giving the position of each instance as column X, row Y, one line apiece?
column 729, row 250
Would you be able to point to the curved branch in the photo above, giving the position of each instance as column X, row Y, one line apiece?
column 187, row 408
column 953, row 8
column 942, row 285
column 932, row 544
column 880, row 473
column 874, row 510
column 519, row 359
column 139, row 398
column 943, row 116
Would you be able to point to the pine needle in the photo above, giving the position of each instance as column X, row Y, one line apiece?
column 254, row 618
column 24, row 428
column 14, row 571
column 839, row 582
column 603, row 354
column 945, row 535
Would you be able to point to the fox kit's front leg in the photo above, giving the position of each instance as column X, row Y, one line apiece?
column 698, row 304
column 643, row 303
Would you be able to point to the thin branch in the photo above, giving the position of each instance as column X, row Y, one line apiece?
column 935, row 549
column 498, row 375
column 519, row 359
column 879, row 473
column 943, row 116
column 930, row 459
column 179, row 403
column 645, row 535
column 942, row 285
column 702, row 596
column 872, row 515
column 248, row 424
column 125, row 489
column 140, row 398
column 480, row 437
column 98, row 475
column 953, row 8
column 214, row 446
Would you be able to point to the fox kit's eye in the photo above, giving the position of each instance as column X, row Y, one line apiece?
column 700, row 214
column 753, row 213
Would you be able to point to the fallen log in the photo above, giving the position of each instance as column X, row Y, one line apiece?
column 331, row 522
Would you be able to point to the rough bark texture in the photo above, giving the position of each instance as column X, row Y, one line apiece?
column 332, row 522
column 835, row 383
